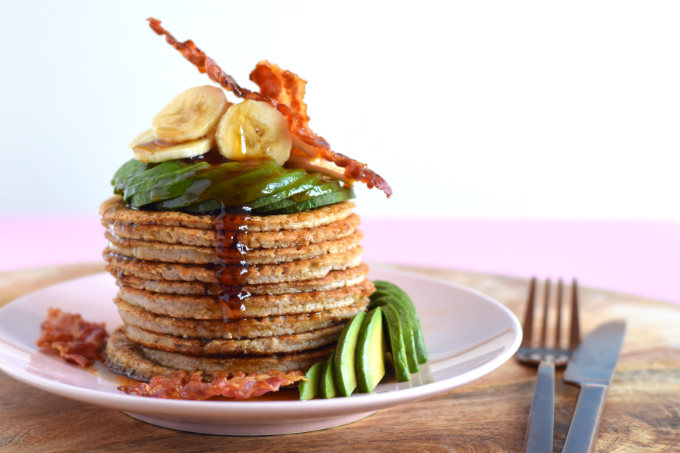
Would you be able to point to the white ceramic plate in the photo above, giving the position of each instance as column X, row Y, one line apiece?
column 467, row 334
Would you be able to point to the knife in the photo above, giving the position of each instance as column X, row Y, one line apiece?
column 591, row 367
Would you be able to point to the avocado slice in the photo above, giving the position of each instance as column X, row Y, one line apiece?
column 247, row 192
column 312, row 190
column 345, row 356
column 407, row 307
column 161, row 186
column 129, row 169
column 319, row 189
column 198, row 184
column 407, row 328
column 296, row 198
column 285, row 203
column 150, row 177
column 202, row 207
column 327, row 379
column 317, row 202
column 309, row 389
column 238, row 195
column 370, row 354
column 395, row 331
column 303, row 184
column 390, row 288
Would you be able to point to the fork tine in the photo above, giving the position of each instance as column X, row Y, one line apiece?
column 529, row 315
column 546, row 301
column 558, row 325
column 575, row 330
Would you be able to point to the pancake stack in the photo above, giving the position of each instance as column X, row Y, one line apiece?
column 201, row 294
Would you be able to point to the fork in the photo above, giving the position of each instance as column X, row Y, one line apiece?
column 539, row 436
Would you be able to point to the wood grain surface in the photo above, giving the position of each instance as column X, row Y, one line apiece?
column 642, row 413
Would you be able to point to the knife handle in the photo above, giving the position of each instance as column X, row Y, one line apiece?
column 585, row 423
column 539, row 438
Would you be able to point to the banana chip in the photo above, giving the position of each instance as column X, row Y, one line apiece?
column 190, row 115
column 253, row 129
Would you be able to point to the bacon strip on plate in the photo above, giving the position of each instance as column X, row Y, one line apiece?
column 181, row 385
column 77, row 340
column 284, row 91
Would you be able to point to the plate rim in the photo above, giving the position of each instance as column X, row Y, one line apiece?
column 356, row 403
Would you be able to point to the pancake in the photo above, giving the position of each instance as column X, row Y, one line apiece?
column 207, row 238
column 333, row 280
column 115, row 210
column 189, row 254
column 138, row 362
column 209, row 329
column 317, row 267
column 210, row 307
column 256, row 346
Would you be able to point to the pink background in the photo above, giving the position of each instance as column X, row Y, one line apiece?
column 637, row 257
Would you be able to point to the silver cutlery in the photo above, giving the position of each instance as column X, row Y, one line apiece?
column 539, row 435
column 591, row 367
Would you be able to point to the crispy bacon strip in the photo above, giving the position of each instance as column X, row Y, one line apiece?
column 283, row 87
column 278, row 87
column 77, row 340
column 240, row 385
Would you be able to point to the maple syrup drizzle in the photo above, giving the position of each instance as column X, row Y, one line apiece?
column 232, row 268
column 155, row 146
column 213, row 157
column 125, row 380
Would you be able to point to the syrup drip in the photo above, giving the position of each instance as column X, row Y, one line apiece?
column 125, row 380
column 155, row 145
column 213, row 157
column 231, row 253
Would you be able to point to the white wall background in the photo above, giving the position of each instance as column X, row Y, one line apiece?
column 513, row 109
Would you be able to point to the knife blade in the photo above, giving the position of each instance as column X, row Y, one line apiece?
column 591, row 367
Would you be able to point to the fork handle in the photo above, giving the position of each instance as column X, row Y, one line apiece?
column 539, row 437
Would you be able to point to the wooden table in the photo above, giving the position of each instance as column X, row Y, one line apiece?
column 490, row 414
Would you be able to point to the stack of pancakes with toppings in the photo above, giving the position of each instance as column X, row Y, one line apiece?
column 231, row 235
column 265, row 293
